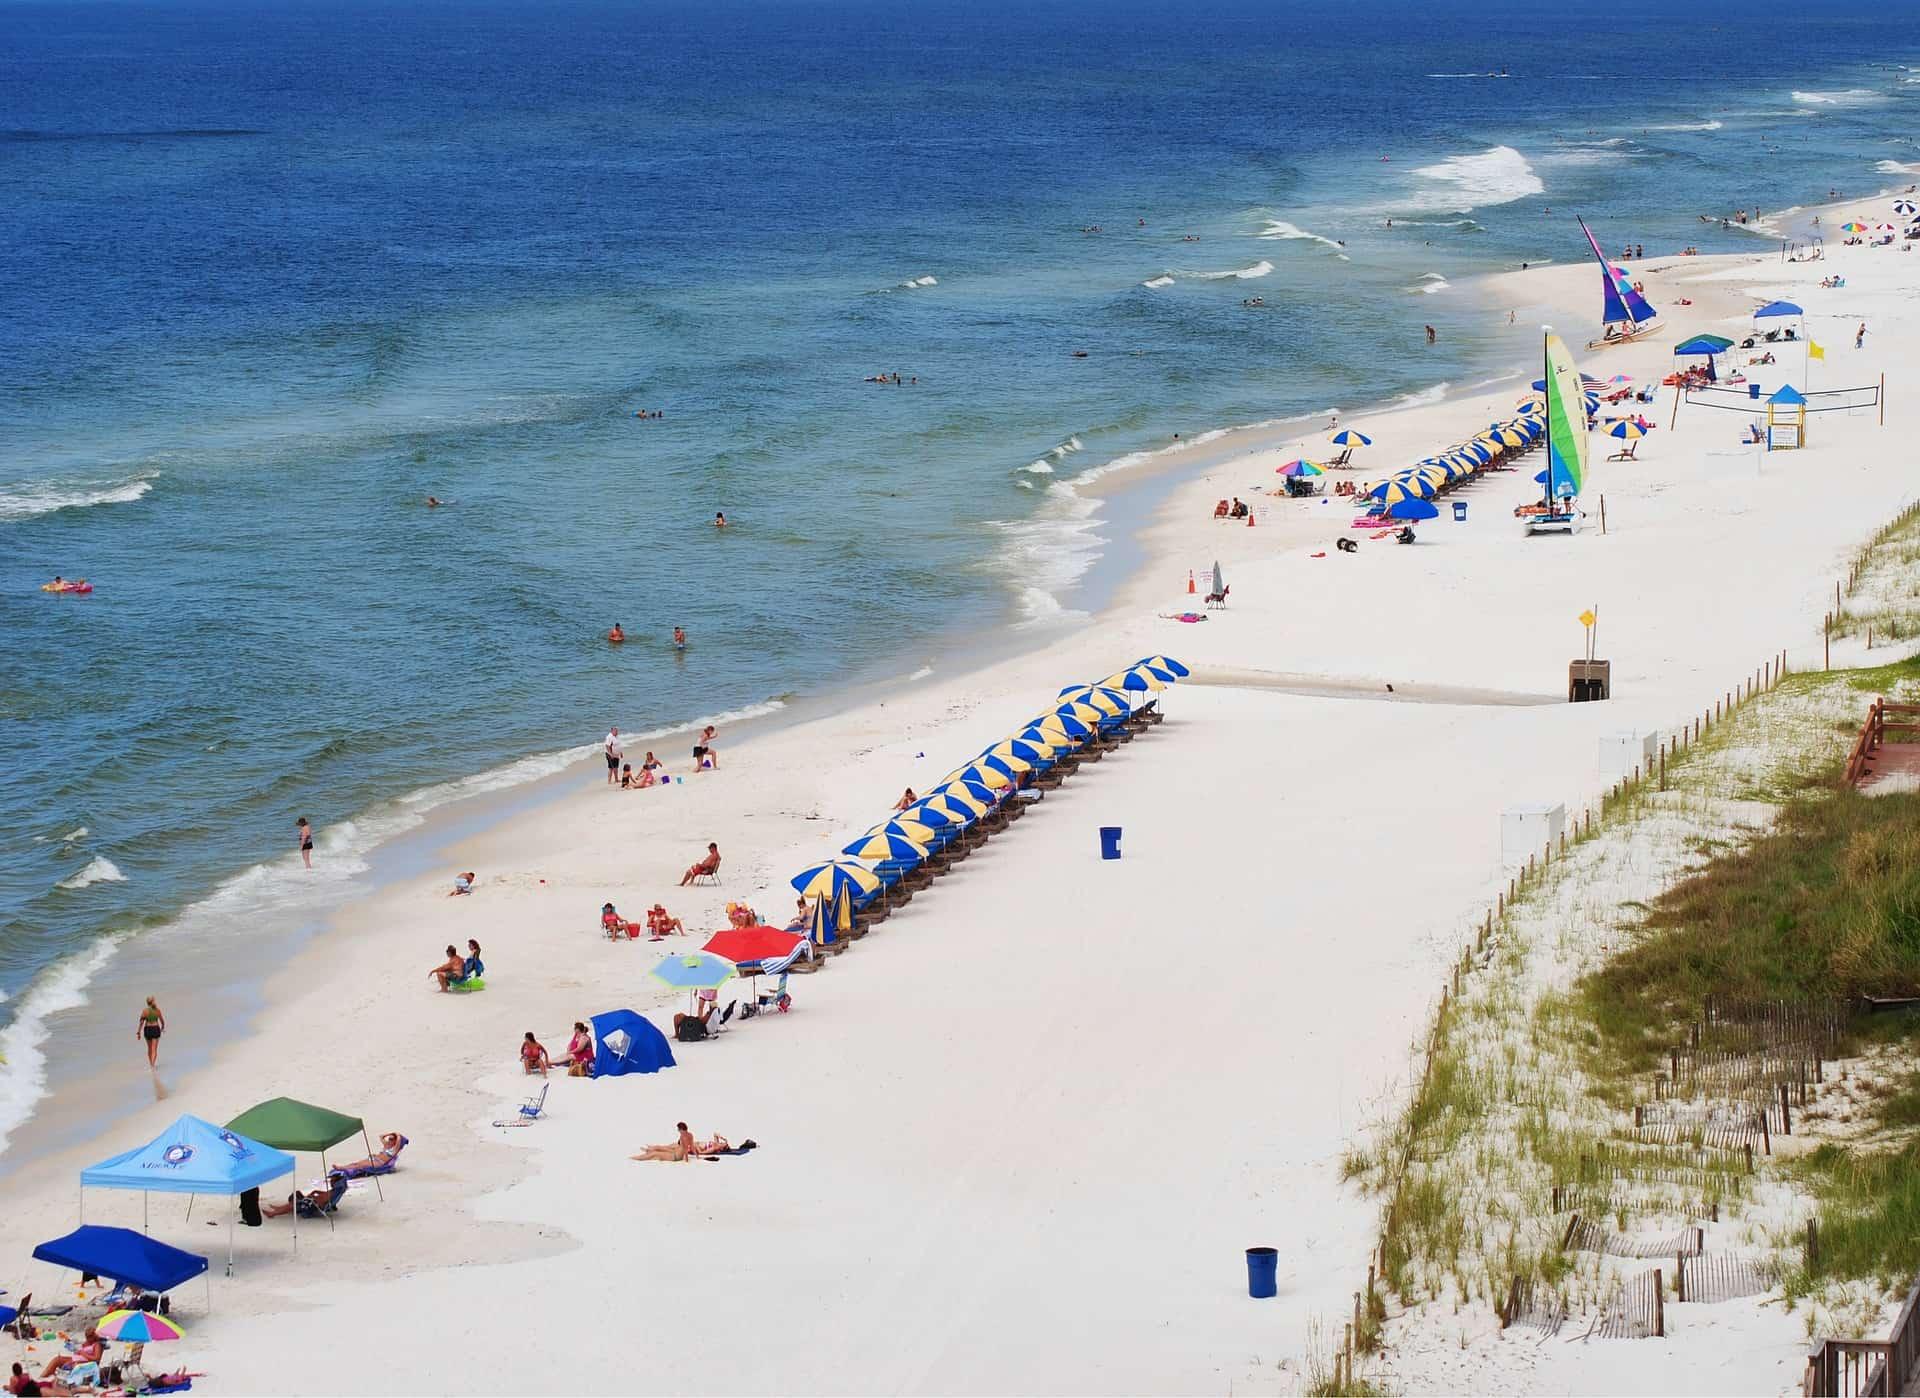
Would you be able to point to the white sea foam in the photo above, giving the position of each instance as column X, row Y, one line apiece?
column 1159, row 281
column 1430, row 283
column 79, row 832
column 23, row 1065
column 1498, row 175
column 25, row 499
column 1259, row 269
column 1038, row 468
column 1894, row 167
column 1420, row 398
column 1689, row 126
column 99, row 869
column 1046, row 554
column 1838, row 97
column 1280, row 228
column 921, row 673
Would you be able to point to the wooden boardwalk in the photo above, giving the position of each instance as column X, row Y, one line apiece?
column 1877, row 762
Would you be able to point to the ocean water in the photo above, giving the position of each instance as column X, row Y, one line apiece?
column 277, row 272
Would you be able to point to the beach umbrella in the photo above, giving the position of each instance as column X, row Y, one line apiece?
column 1138, row 680
column 878, row 847
column 1219, row 582
column 1413, row 509
column 698, row 970
column 1347, row 437
column 1703, row 344
column 1476, row 453
column 961, row 798
column 737, row 944
column 138, row 1327
column 1299, row 468
column 1391, row 491
column 936, row 810
column 1023, row 748
column 969, row 786
column 826, row 880
column 1854, row 227
column 1166, row 663
column 1531, row 405
column 1538, row 385
column 907, row 827
column 1619, row 380
column 1055, row 743
column 1905, row 206
column 1113, row 701
column 1007, row 765
column 1627, row 431
column 1067, row 725
column 1509, row 436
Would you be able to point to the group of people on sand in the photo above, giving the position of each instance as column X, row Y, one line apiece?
column 459, row 972
column 660, row 924
column 706, row 758
column 685, row 1147
column 578, row 1061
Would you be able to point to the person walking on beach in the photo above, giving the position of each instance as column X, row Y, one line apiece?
column 150, row 1026
column 305, row 833
column 705, row 757
column 612, row 743
column 1860, row 336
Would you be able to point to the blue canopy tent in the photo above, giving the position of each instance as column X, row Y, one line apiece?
column 193, row 1157
column 1777, row 308
column 125, row 1256
column 625, row 1042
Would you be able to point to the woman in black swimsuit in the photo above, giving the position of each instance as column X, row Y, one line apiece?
column 305, row 832
column 150, row 1026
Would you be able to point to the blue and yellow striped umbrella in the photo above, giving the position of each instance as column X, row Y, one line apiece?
column 1165, row 663
column 1066, row 726
column 828, row 879
column 1024, row 749
column 907, row 827
column 1056, row 742
column 1508, row 436
column 934, row 811
column 1084, row 712
column 1347, row 437
column 958, row 797
column 1112, row 702
column 1012, row 768
column 885, row 846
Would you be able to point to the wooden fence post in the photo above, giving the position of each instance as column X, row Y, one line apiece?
column 1786, row 1113
column 1826, row 641
column 1659, row 1305
column 1603, row 515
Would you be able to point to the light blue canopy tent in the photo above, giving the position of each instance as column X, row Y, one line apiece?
column 1777, row 308
column 192, row 1157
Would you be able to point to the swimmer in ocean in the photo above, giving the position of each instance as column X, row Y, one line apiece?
column 679, row 638
column 433, row 502
column 719, row 519
column 616, row 636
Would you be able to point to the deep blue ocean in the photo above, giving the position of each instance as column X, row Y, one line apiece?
column 274, row 273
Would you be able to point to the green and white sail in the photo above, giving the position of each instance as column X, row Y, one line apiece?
column 1566, row 472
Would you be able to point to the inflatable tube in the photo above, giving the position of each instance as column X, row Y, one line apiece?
column 80, row 589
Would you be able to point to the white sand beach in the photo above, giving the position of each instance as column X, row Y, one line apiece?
column 1018, row 1138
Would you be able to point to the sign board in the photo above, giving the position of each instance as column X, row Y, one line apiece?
column 1783, row 436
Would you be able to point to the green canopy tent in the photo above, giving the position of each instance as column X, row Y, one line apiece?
column 287, row 1124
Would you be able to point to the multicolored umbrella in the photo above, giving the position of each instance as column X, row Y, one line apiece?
column 697, row 970
column 1853, row 227
column 138, row 1327
column 1627, row 431
column 826, row 880
column 1347, row 437
column 1299, row 468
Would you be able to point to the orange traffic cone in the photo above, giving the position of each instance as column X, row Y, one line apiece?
column 1190, row 590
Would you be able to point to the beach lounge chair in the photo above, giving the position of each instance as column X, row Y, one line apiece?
column 529, row 1110
column 366, row 1172
column 1343, row 458
column 1627, row 453
column 711, row 876
column 327, row 1206
column 1217, row 601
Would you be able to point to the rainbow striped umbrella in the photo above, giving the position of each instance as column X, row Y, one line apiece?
column 138, row 1327
column 1299, row 468
column 1853, row 227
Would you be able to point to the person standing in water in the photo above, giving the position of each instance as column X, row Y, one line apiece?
column 719, row 519
column 150, row 1026
column 679, row 638
column 305, row 833
column 616, row 635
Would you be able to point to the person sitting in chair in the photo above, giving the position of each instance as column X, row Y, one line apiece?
column 390, row 1148
column 704, row 868
column 89, row 1350
column 318, row 1196
column 580, row 1052
column 660, row 922
column 613, row 924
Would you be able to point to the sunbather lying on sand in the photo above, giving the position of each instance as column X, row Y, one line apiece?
column 681, row 1149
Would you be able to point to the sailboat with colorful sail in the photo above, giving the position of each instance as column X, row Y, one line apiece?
column 1565, row 475
column 1624, row 313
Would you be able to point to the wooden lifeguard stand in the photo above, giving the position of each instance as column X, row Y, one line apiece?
column 1786, row 419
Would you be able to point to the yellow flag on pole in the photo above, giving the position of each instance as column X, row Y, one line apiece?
column 1586, row 618
column 1814, row 351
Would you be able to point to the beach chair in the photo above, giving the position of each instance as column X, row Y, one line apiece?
column 1627, row 453
column 367, row 1172
column 709, row 876
column 529, row 1110
column 326, row 1207
column 1222, row 510
column 1217, row 601
column 1343, row 458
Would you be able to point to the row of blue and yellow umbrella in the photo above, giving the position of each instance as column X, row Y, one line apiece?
column 1429, row 477
column 971, row 791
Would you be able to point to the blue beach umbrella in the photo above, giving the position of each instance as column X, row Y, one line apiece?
column 1166, row 663
column 1347, row 437
column 878, row 847
column 698, row 970
column 826, row 880
column 1413, row 509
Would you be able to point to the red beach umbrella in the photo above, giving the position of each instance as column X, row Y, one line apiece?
column 739, row 944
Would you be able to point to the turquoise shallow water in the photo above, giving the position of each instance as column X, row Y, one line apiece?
column 276, row 274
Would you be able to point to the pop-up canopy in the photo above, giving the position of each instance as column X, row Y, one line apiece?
column 123, row 1255
column 289, row 1125
column 191, row 1157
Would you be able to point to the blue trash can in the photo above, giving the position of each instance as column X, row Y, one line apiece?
column 1753, row 390
column 1263, row 1267
column 1460, row 511
column 1109, row 842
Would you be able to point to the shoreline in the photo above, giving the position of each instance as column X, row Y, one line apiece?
column 439, row 1068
